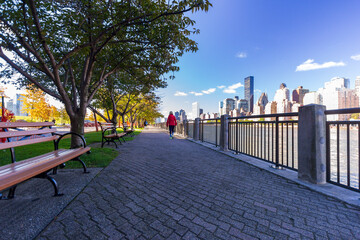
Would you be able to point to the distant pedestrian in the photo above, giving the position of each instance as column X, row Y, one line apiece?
column 171, row 123
column 145, row 123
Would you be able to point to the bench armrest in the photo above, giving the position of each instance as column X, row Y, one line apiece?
column 109, row 128
column 65, row 134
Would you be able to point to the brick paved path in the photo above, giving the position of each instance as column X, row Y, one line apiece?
column 175, row 189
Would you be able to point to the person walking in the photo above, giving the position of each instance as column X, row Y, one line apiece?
column 171, row 123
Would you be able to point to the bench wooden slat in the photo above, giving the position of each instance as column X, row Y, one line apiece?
column 114, row 135
column 26, row 142
column 25, row 124
column 18, row 172
column 26, row 133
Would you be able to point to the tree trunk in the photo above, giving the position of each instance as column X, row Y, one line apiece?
column 123, row 120
column 131, row 123
column 114, row 118
column 77, row 126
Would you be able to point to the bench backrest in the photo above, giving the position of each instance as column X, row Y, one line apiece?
column 15, row 134
column 106, row 125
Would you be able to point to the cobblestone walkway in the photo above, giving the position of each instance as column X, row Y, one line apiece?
column 175, row 189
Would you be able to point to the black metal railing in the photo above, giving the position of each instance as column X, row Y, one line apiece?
column 179, row 128
column 210, row 130
column 271, row 137
column 343, row 150
column 190, row 128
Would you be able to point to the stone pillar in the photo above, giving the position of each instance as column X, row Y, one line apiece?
column 197, row 129
column 312, row 144
column 224, row 132
column 185, row 133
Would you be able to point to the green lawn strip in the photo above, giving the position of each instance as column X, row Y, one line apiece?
column 99, row 157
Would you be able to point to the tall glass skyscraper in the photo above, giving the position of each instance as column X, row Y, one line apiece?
column 249, row 92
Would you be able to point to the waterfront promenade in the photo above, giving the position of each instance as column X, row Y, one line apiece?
column 159, row 188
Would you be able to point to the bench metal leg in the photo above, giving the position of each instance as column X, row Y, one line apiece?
column 112, row 140
column 82, row 163
column 55, row 185
column 11, row 193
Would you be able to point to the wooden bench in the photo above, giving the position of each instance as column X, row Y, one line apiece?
column 129, row 132
column 109, row 134
column 19, row 134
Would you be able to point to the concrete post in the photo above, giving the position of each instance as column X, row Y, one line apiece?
column 185, row 128
column 312, row 144
column 224, row 132
column 197, row 129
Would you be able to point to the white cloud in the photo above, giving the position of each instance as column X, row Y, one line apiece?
column 235, row 86
column 241, row 55
column 356, row 57
column 220, row 87
column 180, row 94
column 210, row 90
column 231, row 89
column 196, row 93
column 257, row 90
column 311, row 65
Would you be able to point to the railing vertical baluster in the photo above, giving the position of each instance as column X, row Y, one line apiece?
column 277, row 141
column 241, row 142
column 248, row 137
column 216, row 142
column 338, row 152
column 257, row 140
column 254, row 140
column 328, row 166
column 237, row 136
column 292, row 144
column 348, row 153
column 359, row 155
column 287, row 144
column 268, row 141
column 272, row 142
column 282, row 143
column 242, row 138
column 263, row 142
column 229, row 135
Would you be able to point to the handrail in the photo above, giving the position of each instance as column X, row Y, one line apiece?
column 210, row 119
column 268, row 115
column 342, row 111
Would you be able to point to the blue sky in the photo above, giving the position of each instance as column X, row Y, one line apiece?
column 298, row 42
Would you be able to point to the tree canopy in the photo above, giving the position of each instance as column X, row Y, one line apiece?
column 69, row 48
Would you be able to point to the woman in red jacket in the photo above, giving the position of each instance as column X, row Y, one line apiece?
column 171, row 122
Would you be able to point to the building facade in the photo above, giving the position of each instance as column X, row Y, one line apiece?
column 249, row 92
column 195, row 110
column 298, row 95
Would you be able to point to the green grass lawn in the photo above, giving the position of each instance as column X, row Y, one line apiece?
column 99, row 157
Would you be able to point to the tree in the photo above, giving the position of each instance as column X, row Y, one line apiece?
column 69, row 48
column 147, row 109
column 124, row 90
column 36, row 105
column 64, row 117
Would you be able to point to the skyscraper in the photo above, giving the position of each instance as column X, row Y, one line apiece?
column 249, row 91
column 19, row 105
column 298, row 95
column 10, row 105
column 195, row 110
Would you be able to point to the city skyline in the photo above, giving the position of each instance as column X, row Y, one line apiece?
column 299, row 43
